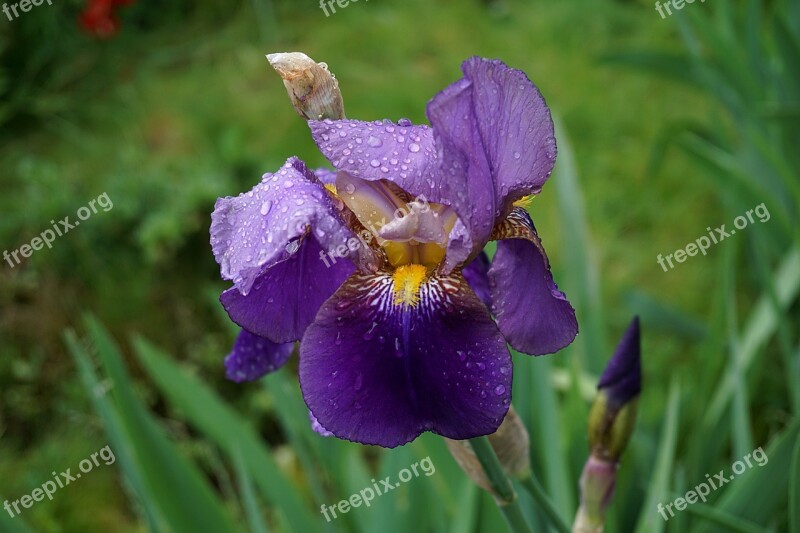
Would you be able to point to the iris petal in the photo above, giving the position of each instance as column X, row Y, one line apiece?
column 490, row 143
column 532, row 313
column 251, row 232
column 495, row 136
column 285, row 298
column 401, row 153
column 477, row 275
column 379, row 372
column 253, row 357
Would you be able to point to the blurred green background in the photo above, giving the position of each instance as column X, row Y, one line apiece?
column 666, row 126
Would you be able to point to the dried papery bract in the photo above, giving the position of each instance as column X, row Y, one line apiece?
column 313, row 89
column 511, row 444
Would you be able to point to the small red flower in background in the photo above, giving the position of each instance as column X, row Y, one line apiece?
column 99, row 19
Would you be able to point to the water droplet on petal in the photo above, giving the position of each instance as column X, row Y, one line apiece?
column 265, row 207
column 413, row 147
column 292, row 247
column 499, row 390
column 374, row 141
column 375, row 163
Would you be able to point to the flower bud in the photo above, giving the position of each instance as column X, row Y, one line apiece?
column 613, row 414
column 313, row 90
column 611, row 422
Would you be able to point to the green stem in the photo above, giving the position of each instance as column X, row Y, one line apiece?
column 533, row 487
column 501, row 485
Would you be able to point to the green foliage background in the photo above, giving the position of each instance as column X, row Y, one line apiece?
column 665, row 127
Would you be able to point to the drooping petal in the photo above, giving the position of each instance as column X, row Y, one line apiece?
column 495, row 136
column 252, row 357
column 379, row 372
column 477, row 275
column 534, row 316
column 317, row 427
column 251, row 232
column 285, row 298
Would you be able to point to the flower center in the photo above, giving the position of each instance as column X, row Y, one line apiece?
column 407, row 280
column 411, row 231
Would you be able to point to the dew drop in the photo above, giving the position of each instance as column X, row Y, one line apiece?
column 375, row 163
column 265, row 207
column 499, row 390
column 292, row 247
column 413, row 147
column 374, row 141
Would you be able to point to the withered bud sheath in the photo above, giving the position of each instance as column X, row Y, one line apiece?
column 313, row 89
column 611, row 422
column 511, row 444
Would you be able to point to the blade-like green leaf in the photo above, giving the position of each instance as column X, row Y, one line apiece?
column 186, row 501
column 757, row 493
column 228, row 430
column 658, row 492
column 253, row 513
column 762, row 324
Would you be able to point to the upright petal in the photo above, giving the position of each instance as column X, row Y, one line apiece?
column 532, row 313
column 285, row 298
column 401, row 153
column 379, row 372
column 495, row 136
column 252, row 232
column 253, row 357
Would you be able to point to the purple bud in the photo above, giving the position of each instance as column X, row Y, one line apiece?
column 622, row 378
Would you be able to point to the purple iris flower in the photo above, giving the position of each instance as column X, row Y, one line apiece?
column 378, row 269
